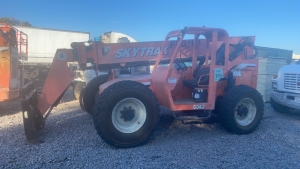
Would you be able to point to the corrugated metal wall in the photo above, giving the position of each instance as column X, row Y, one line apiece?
column 270, row 61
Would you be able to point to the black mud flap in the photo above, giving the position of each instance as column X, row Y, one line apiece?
column 32, row 118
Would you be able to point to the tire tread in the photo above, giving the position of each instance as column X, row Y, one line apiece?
column 88, row 97
column 114, row 88
column 228, row 102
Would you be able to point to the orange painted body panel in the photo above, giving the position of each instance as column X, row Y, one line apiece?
column 58, row 79
column 5, row 67
column 9, row 94
column 179, row 91
column 161, row 88
column 8, row 74
column 121, row 53
column 11, row 41
column 5, row 63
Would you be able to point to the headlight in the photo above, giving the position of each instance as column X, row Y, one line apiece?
column 274, row 85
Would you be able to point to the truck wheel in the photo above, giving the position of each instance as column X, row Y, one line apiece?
column 279, row 108
column 88, row 97
column 126, row 114
column 78, row 89
column 242, row 110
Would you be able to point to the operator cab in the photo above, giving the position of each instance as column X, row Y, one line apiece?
column 192, row 86
column 201, row 72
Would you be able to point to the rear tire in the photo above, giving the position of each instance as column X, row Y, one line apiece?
column 126, row 114
column 88, row 97
column 242, row 110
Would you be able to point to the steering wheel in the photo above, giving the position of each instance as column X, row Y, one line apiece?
column 180, row 65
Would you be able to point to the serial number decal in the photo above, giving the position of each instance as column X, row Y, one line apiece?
column 237, row 73
column 198, row 106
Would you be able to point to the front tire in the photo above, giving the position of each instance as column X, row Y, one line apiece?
column 242, row 110
column 126, row 114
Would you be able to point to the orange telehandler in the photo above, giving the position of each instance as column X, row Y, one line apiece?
column 194, row 78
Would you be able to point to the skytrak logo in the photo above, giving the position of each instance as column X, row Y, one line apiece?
column 144, row 51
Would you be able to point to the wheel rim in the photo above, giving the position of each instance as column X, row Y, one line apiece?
column 129, row 115
column 245, row 111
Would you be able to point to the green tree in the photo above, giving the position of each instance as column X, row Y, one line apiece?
column 15, row 22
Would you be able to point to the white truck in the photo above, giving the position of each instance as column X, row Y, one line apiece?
column 285, row 94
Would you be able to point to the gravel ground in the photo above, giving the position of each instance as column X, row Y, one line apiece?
column 70, row 141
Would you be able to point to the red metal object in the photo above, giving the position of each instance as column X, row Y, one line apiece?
column 9, row 61
column 58, row 80
column 22, row 45
column 20, row 40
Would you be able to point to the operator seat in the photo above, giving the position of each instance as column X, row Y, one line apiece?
column 198, row 72
column 204, row 72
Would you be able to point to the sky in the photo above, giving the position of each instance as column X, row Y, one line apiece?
column 274, row 23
